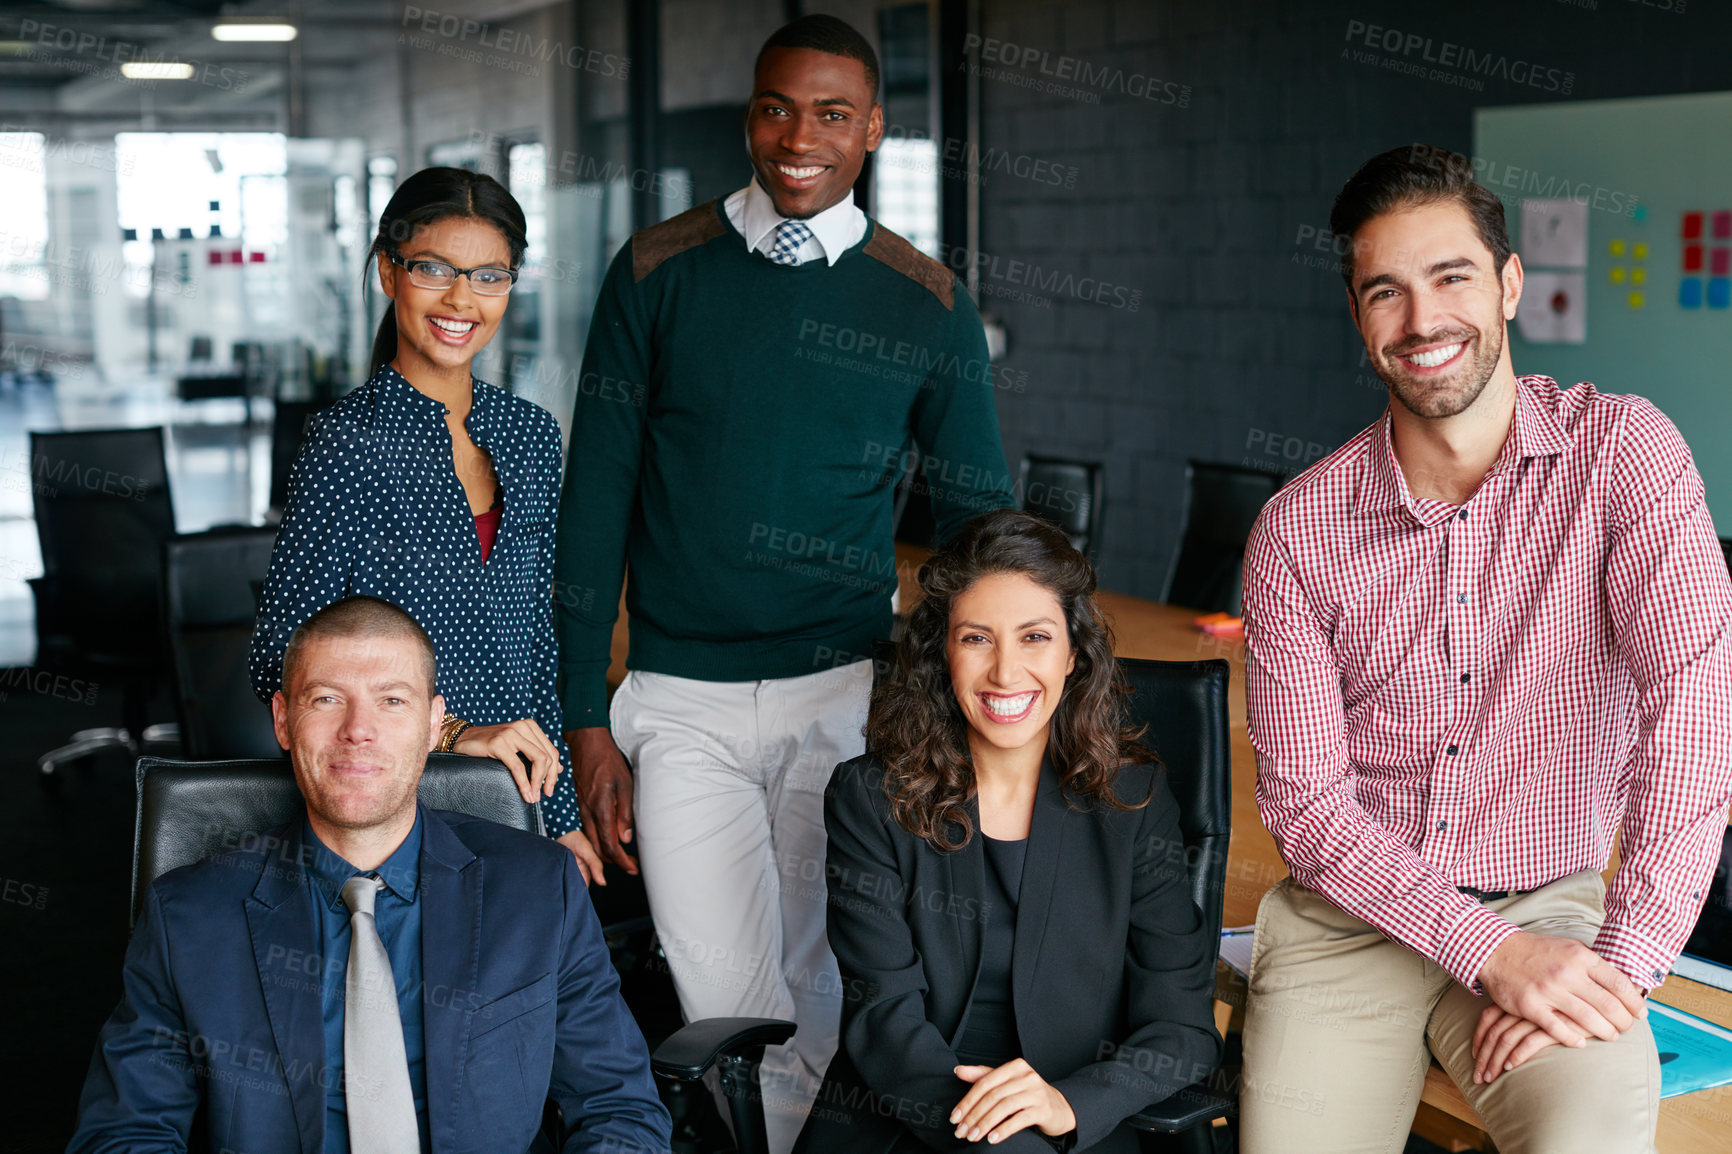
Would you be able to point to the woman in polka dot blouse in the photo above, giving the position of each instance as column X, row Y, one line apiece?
column 438, row 492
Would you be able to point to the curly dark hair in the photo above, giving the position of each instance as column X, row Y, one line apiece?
column 915, row 726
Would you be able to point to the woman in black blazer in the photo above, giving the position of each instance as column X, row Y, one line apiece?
column 1023, row 967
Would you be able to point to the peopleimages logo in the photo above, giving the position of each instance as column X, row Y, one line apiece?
column 1409, row 53
column 1049, row 72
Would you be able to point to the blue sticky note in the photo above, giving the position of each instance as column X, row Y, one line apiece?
column 1720, row 292
column 1690, row 293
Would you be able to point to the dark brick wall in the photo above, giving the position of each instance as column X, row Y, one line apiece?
column 1207, row 200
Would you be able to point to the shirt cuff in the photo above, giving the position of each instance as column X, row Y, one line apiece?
column 1641, row 959
column 583, row 695
column 1470, row 942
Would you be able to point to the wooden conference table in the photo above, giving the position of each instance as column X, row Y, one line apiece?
column 1699, row 1123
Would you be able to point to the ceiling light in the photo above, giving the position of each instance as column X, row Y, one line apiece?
column 156, row 70
column 248, row 31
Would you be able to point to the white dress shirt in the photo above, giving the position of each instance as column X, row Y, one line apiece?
column 834, row 231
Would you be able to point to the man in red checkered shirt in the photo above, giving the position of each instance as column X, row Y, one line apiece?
column 1487, row 639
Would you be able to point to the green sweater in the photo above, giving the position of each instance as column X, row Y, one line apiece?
column 738, row 432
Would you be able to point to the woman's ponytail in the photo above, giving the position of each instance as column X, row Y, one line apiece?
column 385, row 341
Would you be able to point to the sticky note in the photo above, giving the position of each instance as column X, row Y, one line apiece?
column 1720, row 261
column 1692, row 258
column 1723, row 225
column 1638, row 275
column 1637, row 300
column 1692, row 225
column 1720, row 293
column 1639, row 250
column 1617, row 274
column 1617, row 248
column 1690, row 293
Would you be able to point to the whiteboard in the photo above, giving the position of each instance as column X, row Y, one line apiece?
column 1640, row 166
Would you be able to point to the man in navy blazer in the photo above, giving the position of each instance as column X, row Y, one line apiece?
column 229, row 1033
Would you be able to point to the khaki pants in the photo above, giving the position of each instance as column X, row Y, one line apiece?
column 730, row 833
column 1342, row 1023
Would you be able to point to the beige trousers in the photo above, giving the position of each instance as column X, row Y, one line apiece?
column 730, row 833
column 1342, row 1022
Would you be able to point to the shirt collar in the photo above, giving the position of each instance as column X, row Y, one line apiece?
column 1535, row 432
column 401, row 872
column 395, row 386
column 835, row 227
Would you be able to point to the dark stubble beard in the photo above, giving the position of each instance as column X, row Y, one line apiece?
column 1435, row 399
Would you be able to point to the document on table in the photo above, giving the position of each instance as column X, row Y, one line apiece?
column 1695, row 1054
column 1236, row 946
column 1704, row 971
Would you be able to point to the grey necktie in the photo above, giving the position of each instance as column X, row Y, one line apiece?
column 380, row 1103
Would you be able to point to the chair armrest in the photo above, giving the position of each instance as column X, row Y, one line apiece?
column 689, row 1051
column 1183, row 1110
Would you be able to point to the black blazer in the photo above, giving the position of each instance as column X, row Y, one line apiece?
column 1112, row 970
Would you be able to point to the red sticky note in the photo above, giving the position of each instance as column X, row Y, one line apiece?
column 1720, row 262
column 256, row 257
column 1692, row 225
column 213, row 257
column 1692, row 258
column 234, row 256
column 1723, row 225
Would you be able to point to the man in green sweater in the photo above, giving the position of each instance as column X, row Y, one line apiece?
column 756, row 368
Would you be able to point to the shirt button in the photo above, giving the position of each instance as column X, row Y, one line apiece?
column 1461, row 598
column 1466, row 677
column 1443, row 825
column 1659, row 975
column 1450, row 750
column 1462, row 514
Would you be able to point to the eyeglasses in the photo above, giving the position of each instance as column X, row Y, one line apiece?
column 488, row 280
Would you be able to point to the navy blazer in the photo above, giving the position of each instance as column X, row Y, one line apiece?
column 1112, row 966
column 218, row 1040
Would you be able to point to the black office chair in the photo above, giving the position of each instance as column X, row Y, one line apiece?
column 1726, row 548
column 1222, row 504
column 1067, row 493
column 103, row 511
column 288, row 430
column 210, row 583
column 188, row 811
column 1184, row 706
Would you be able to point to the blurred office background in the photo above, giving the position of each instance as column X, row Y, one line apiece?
column 1136, row 191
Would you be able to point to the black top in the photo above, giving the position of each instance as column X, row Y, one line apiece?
column 989, row 1038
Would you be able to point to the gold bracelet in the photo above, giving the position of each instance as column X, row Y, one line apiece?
column 449, row 729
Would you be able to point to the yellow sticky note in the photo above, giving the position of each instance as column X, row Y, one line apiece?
column 1637, row 300
column 1617, row 274
column 1639, row 250
column 1638, row 275
column 1617, row 247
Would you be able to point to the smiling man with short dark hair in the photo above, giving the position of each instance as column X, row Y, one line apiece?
column 1486, row 640
column 782, row 349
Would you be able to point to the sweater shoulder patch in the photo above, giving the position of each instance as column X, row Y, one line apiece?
column 887, row 247
column 691, row 228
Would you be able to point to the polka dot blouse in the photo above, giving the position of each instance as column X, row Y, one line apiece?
column 375, row 506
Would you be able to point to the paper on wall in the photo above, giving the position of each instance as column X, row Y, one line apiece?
column 1554, row 233
column 1554, row 308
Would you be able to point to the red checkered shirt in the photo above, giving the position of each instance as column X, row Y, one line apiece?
column 1481, row 694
